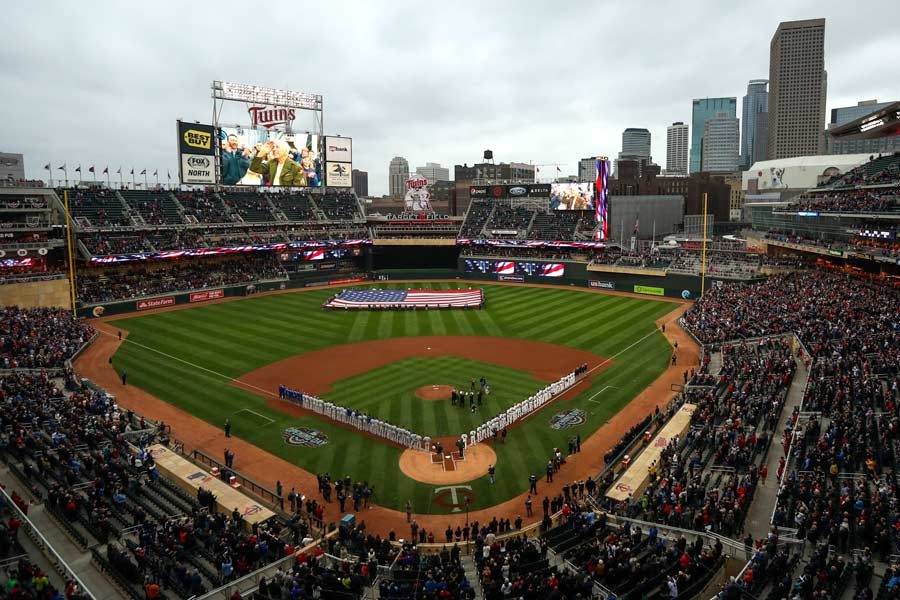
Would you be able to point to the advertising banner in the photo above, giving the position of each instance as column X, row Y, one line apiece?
column 539, row 190
column 605, row 285
column 206, row 295
column 511, row 278
column 572, row 196
column 518, row 190
column 155, row 303
column 417, row 196
column 338, row 149
column 649, row 289
column 196, row 153
column 338, row 174
column 261, row 156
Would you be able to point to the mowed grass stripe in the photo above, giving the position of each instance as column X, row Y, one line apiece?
column 358, row 329
column 256, row 330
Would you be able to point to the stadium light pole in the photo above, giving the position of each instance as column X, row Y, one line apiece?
column 703, row 253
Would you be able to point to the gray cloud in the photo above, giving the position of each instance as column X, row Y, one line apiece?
column 101, row 83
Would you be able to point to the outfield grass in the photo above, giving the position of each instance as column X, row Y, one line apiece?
column 231, row 339
column 388, row 393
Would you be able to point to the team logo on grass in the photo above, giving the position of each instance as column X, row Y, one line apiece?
column 304, row 436
column 568, row 418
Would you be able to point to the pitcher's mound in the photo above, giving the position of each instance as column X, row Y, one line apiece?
column 434, row 392
column 424, row 467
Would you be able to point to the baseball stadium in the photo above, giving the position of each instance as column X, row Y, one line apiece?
column 254, row 382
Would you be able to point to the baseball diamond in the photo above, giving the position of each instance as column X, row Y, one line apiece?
column 223, row 358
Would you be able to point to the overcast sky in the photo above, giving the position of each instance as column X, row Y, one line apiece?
column 547, row 82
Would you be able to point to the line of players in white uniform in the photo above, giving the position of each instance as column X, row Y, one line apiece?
column 407, row 438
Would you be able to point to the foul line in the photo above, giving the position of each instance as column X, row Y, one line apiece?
column 591, row 399
column 620, row 352
column 253, row 412
column 190, row 364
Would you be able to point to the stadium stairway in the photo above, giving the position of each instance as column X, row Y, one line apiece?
column 78, row 559
column 759, row 515
column 468, row 564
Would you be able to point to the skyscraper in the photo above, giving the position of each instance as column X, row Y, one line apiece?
column 703, row 109
column 755, row 101
column 635, row 143
column 587, row 170
column 677, row 149
column 433, row 172
column 361, row 183
column 398, row 173
column 720, row 144
column 797, row 85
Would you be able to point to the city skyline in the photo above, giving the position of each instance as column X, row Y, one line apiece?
column 91, row 107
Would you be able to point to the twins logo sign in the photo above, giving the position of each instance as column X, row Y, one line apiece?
column 304, row 436
column 568, row 419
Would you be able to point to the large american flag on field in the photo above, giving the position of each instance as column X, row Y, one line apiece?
column 407, row 298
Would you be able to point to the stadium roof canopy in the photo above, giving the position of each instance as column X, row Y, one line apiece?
column 881, row 123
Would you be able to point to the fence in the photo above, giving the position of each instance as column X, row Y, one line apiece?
column 249, row 486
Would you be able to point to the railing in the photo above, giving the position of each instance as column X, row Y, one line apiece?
column 60, row 565
column 250, row 582
column 249, row 486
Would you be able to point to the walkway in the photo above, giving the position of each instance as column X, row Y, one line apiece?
column 759, row 517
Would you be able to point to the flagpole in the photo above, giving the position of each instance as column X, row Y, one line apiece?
column 121, row 183
column 66, row 174
column 145, row 179
column 51, row 172
column 133, row 184
column 156, row 174
column 107, row 179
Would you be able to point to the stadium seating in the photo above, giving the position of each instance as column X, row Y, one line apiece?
column 338, row 206
column 108, row 285
column 100, row 207
column 249, row 206
column 203, row 207
column 295, row 206
column 156, row 207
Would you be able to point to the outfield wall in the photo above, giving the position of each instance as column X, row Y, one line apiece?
column 653, row 283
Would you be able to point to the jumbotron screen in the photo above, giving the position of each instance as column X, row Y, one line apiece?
column 572, row 196
column 265, row 157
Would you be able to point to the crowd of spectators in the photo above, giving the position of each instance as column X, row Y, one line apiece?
column 105, row 244
column 167, row 278
column 852, row 200
column 706, row 480
column 630, row 562
column 37, row 338
column 879, row 170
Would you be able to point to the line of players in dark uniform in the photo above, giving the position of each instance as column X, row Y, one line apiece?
column 471, row 398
